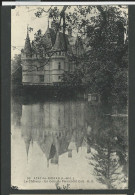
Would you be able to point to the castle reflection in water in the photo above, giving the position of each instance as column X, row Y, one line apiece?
column 57, row 127
column 60, row 127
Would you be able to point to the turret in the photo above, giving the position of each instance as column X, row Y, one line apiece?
column 58, row 46
column 61, row 42
column 27, row 51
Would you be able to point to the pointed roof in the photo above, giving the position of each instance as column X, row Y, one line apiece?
column 61, row 42
column 27, row 145
column 27, row 46
column 52, row 36
column 47, row 147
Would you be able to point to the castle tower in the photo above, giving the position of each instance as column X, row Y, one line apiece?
column 29, row 70
column 61, row 42
column 58, row 59
column 27, row 46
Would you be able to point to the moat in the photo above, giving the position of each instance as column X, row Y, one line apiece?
column 55, row 136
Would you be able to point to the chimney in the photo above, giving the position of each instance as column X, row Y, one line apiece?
column 27, row 46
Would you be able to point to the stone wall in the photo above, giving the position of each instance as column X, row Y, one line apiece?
column 44, row 71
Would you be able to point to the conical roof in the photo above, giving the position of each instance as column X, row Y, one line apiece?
column 27, row 46
column 27, row 145
column 49, row 38
column 46, row 146
column 61, row 43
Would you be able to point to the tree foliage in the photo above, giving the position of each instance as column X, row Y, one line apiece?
column 108, row 138
column 103, row 67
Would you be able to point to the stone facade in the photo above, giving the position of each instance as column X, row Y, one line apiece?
column 49, row 55
column 44, row 61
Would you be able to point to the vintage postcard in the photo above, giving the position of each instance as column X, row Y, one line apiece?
column 69, row 97
column 65, row 194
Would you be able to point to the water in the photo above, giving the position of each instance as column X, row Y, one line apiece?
column 67, row 144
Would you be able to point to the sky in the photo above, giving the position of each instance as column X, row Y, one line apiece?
column 22, row 16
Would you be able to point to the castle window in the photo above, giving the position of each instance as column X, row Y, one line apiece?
column 41, row 78
column 59, row 77
column 59, row 66
column 59, row 52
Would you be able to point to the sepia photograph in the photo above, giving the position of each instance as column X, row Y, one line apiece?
column 65, row 194
column 69, row 97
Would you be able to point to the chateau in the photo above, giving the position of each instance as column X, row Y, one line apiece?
column 48, row 56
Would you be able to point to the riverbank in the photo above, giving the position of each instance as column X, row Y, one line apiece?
column 49, row 91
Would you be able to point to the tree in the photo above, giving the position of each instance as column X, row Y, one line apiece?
column 102, row 68
column 109, row 154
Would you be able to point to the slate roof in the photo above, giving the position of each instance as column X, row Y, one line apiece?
column 52, row 41
column 27, row 47
column 61, row 42
column 49, row 38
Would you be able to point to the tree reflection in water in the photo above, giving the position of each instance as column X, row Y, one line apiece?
column 108, row 138
column 62, row 127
